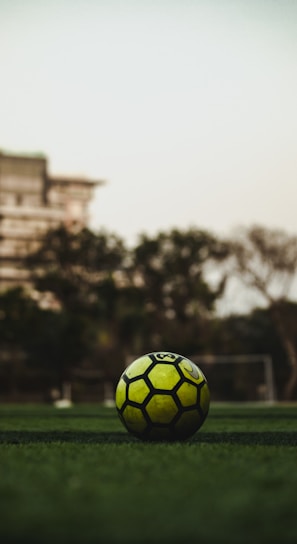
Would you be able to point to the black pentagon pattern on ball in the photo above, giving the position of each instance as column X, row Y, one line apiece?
column 154, row 390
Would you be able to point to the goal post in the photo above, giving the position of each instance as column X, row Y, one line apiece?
column 236, row 378
column 243, row 377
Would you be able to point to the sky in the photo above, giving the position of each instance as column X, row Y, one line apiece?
column 186, row 108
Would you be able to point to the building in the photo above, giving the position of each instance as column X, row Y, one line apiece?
column 31, row 203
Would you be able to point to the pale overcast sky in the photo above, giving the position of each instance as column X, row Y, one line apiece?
column 186, row 107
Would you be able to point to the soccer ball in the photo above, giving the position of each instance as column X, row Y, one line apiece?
column 162, row 396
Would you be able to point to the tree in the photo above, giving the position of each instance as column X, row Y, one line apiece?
column 35, row 339
column 266, row 261
column 154, row 295
column 171, row 271
column 86, row 272
column 72, row 264
column 16, row 315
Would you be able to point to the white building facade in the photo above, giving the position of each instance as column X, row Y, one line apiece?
column 31, row 203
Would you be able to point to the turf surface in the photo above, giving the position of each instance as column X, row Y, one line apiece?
column 76, row 476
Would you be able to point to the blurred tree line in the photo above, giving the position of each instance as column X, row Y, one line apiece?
column 96, row 303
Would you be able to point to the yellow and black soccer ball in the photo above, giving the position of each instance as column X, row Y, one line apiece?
column 162, row 396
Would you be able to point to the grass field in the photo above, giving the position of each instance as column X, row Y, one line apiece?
column 76, row 476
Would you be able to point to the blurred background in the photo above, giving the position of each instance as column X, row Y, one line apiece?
column 147, row 194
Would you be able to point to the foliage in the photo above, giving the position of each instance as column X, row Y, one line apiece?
column 171, row 270
column 109, row 303
column 72, row 264
column 266, row 261
column 135, row 299
column 32, row 337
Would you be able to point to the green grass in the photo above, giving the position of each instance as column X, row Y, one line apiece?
column 77, row 476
